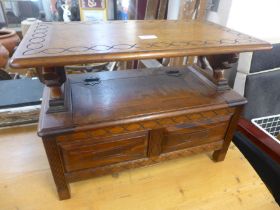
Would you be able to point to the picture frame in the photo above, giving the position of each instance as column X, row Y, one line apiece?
column 93, row 10
column 93, row 4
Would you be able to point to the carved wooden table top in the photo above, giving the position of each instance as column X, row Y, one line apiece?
column 59, row 44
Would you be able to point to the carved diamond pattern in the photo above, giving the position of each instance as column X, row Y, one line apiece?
column 192, row 119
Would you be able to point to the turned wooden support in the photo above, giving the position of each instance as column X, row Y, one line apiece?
column 56, row 92
column 218, row 64
column 54, row 78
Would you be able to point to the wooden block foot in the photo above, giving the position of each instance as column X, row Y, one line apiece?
column 57, row 169
column 218, row 156
column 64, row 194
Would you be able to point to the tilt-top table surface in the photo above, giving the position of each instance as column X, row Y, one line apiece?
column 54, row 44
column 100, row 123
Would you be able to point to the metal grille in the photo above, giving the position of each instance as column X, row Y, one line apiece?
column 270, row 125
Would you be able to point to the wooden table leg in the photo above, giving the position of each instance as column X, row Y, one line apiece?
column 57, row 168
column 54, row 77
column 217, row 64
column 219, row 155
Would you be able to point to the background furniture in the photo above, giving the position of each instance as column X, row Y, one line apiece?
column 20, row 101
column 258, row 78
column 14, row 96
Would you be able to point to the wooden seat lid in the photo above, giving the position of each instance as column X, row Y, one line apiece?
column 140, row 93
column 130, row 96
column 59, row 44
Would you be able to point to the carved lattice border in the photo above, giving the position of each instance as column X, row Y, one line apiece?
column 35, row 45
column 194, row 119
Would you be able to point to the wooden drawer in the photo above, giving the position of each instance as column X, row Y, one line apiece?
column 184, row 136
column 91, row 154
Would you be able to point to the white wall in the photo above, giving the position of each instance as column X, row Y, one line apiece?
column 173, row 9
column 259, row 18
column 222, row 15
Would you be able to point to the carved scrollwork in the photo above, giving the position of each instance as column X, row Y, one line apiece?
column 217, row 64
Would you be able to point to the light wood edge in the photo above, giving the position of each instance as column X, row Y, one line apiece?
column 128, row 56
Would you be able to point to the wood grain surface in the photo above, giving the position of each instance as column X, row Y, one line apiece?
column 130, row 119
column 59, row 44
column 133, row 96
column 136, row 93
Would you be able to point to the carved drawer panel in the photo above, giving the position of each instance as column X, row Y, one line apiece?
column 110, row 131
column 91, row 154
column 190, row 135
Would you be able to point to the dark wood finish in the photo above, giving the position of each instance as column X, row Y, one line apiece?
column 153, row 94
column 219, row 155
column 158, row 91
column 57, row 169
column 260, row 139
column 54, row 77
column 182, row 136
column 50, row 46
column 145, row 117
column 95, row 124
column 104, row 151
column 217, row 64
column 95, row 172
column 155, row 142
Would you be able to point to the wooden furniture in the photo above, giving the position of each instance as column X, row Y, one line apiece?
column 95, row 124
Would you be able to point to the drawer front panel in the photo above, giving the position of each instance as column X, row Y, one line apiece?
column 181, row 137
column 142, row 126
column 89, row 154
